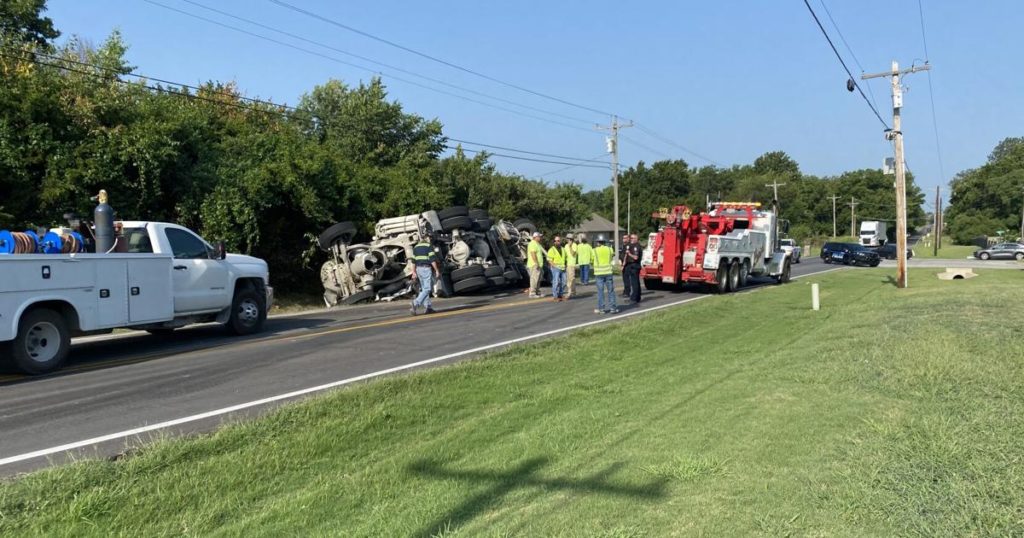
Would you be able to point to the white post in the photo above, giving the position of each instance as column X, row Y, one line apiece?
column 815, row 303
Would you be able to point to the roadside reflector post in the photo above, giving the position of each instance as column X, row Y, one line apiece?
column 815, row 303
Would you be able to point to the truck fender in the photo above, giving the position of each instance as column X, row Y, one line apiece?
column 778, row 261
column 54, row 302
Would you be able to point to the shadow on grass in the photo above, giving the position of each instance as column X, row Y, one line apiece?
column 522, row 476
column 890, row 281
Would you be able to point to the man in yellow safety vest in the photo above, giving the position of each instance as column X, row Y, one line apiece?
column 535, row 264
column 584, row 258
column 603, row 257
column 571, row 255
column 556, row 261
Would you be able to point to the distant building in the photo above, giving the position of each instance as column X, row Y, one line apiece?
column 597, row 227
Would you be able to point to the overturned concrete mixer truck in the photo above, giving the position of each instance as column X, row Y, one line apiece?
column 474, row 253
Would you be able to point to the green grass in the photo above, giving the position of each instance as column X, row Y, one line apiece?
column 952, row 252
column 287, row 303
column 889, row 412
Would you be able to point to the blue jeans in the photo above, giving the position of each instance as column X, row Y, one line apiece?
column 557, row 282
column 426, row 277
column 605, row 293
column 585, row 274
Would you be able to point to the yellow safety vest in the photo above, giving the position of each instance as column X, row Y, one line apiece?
column 570, row 255
column 603, row 255
column 584, row 254
column 557, row 257
column 534, row 246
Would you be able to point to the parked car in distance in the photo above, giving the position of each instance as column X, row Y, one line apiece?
column 1002, row 251
column 794, row 250
column 888, row 251
column 850, row 254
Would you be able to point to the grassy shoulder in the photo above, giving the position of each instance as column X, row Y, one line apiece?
column 888, row 412
column 952, row 252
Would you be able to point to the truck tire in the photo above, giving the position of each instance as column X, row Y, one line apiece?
column 478, row 214
column 340, row 232
column 722, row 276
column 511, row 275
column 469, row 271
column 526, row 227
column 359, row 297
column 493, row 270
column 42, row 342
column 744, row 273
column 784, row 277
column 497, row 281
column 457, row 223
column 734, row 276
column 248, row 311
column 446, row 289
column 653, row 284
column 482, row 225
column 470, row 284
column 453, row 211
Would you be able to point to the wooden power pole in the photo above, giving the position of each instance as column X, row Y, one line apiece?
column 896, row 135
column 935, row 224
column 834, row 198
column 853, row 216
column 613, row 149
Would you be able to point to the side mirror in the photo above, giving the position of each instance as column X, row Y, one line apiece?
column 222, row 251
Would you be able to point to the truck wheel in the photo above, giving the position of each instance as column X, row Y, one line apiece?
column 470, row 284
column 478, row 214
column 744, row 273
column 492, row 271
column 653, row 284
column 784, row 277
column 497, row 281
column 359, row 297
column 42, row 342
column 457, row 223
column 248, row 311
column 734, row 276
column 469, row 271
column 722, row 276
column 482, row 225
column 342, row 231
column 453, row 211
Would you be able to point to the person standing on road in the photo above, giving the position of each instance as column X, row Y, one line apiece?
column 584, row 257
column 603, row 258
column 425, row 271
column 570, row 266
column 631, row 268
column 556, row 261
column 622, row 265
column 535, row 264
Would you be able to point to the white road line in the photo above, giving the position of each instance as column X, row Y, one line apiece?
column 327, row 386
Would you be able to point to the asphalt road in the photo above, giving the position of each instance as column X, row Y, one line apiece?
column 122, row 391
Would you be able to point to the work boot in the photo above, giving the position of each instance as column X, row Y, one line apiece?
column 430, row 310
column 412, row 310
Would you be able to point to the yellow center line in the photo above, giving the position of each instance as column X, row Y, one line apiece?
column 292, row 337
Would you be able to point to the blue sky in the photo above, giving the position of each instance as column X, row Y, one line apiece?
column 729, row 80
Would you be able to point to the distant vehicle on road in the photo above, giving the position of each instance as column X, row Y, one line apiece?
column 872, row 233
column 1002, row 251
column 888, row 251
column 849, row 254
column 794, row 250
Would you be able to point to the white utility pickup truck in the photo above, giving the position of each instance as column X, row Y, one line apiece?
column 160, row 277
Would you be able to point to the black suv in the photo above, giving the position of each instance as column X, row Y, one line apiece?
column 849, row 254
column 888, row 251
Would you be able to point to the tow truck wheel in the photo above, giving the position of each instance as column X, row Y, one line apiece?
column 42, row 342
column 784, row 277
column 734, row 276
column 744, row 273
column 722, row 276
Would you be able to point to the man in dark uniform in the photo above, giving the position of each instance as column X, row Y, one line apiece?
column 631, row 268
column 622, row 265
column 426, row 271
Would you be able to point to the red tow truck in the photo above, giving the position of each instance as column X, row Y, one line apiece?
column 721, row 248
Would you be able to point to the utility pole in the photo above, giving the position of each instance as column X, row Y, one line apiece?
column 834, row 198
column 935, row 225
column 896, row 135
column 775, row 188
column 853, row 216
column 1022, row 221
column 629, row 210
column 942, row 222
column 612, row 142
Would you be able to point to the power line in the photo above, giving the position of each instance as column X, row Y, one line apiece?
column 489, row 154
column 364, row 68
column 648, row 148
column 435, row 59
column 848, row 48
column 595, row 159
column 931, row 97
column 670, row 142
column 518, row 150
column 843, row 63
column 382, row 64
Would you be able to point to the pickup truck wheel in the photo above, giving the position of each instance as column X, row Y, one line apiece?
column 248, row 312
column 722, row 277
column 42, row 342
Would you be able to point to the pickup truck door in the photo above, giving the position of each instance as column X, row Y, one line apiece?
column 200, row 282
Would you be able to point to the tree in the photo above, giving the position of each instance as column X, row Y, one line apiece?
column 989, row 198
column 22, row 23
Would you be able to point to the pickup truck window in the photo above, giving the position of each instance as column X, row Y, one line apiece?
column 186, row 246
column 137, row 240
